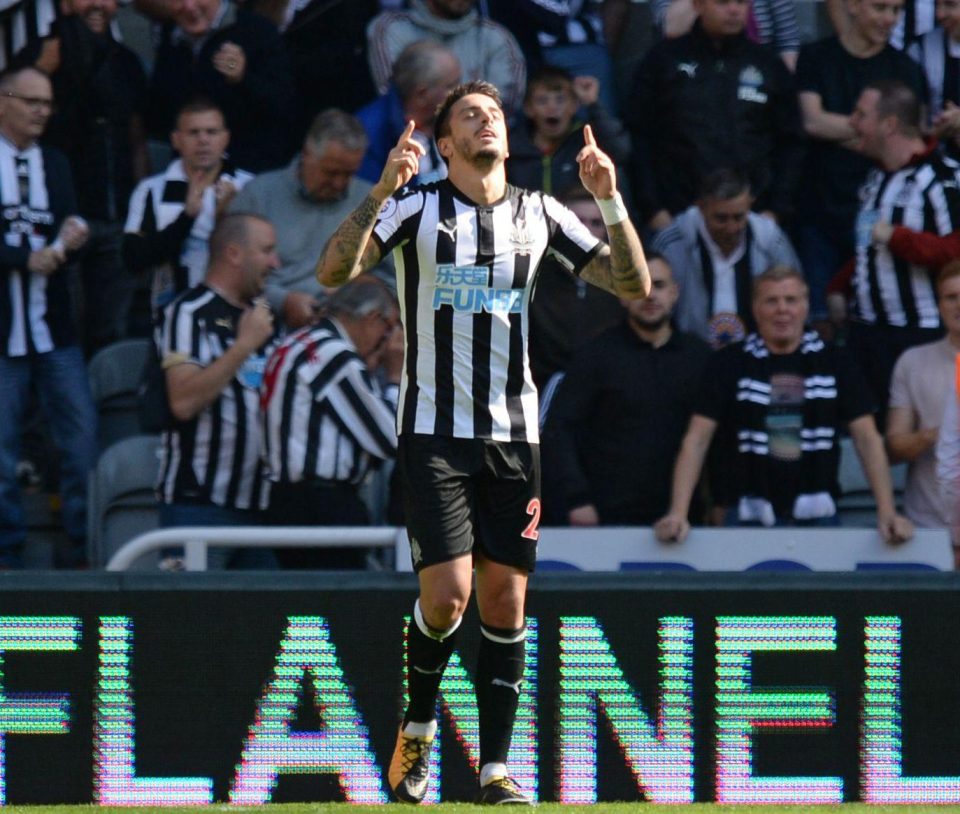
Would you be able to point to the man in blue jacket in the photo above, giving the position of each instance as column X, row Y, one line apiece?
column 423, row 74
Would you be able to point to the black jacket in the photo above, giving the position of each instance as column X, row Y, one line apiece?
column 261, row 109
column 696, row 107
column 555, row 174
column 99, row 87
column 18, row 223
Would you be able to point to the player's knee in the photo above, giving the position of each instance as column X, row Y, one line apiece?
column 503, row 609
column 506, row 618
column 442, row 610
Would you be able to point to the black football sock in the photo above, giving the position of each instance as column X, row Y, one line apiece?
column 428, row 651
column 499, row 676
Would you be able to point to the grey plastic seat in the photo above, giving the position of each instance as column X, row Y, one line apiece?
column 114, row 373
column 856, row 506
column 122, row 502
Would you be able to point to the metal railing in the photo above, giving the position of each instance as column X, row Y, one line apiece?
column 197, row 540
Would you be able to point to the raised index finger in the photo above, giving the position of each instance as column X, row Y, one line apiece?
column 588, row 138
column 407, row 132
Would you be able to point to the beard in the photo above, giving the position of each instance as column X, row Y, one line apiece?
column 483, row 158
column 654, row 324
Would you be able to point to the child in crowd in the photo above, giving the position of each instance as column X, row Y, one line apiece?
column 543, row 154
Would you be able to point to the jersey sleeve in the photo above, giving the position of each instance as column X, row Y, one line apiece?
column 137, row 209
column 569, row 240
column 396, row 221
column 179, row 339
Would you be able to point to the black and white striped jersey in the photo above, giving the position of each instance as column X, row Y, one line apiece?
column 22, row 23
column 923, row 196
column 917, row 19
column 465, row 275
column 939, row 57
column 323, row 414
column 158, row 235
column 214, row 457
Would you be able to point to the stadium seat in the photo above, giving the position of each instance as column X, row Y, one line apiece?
column 114, row 374
column 856, row 506
column 122, row 503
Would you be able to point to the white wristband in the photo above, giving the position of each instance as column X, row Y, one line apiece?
column 612, row 209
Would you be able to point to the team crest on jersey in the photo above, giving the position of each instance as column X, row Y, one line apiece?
column 388, row 208
column 521, row 238
column 688, row 68
column 751, row 80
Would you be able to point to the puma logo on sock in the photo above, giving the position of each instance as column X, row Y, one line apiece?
column 499, row 682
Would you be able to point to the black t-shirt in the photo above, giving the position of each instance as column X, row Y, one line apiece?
column 784, row 421
column 834, row 173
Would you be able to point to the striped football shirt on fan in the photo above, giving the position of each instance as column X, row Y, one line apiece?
column 214, row 456
column 465, row 275
column 324, row 416
column 924, row 196
column 940, row 60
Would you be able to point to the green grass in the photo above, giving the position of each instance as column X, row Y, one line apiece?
column 466, row 808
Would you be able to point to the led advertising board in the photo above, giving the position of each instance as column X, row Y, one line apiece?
column 737, row 690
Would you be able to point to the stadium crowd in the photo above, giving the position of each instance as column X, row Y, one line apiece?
column 799, row 204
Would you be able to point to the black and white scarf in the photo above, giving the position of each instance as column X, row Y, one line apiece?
column 818, row 434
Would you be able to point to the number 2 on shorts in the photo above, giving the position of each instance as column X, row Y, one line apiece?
column 531, row 532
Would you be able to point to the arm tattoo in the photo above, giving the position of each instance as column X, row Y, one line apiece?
column 366, row 213
column 626, row 260
column 621, row 269
column 343, row 257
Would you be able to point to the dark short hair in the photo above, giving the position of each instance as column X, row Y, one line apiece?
column 724, row 184
column 777, row 274
column 232, row 229
column 897, row 99
column 198, row 103
column 441, row 125
column 550, row 77
column 574, row 193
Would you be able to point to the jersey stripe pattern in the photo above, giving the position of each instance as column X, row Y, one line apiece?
column 924, row 197
column 214, row 457
column 324, row 415
column 158, row 201
column 465, row 275
column 35, row 309
column 940, row 63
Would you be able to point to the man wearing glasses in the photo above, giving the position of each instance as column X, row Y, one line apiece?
column 38, row 335
column 327, row 421
column 100, row 89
